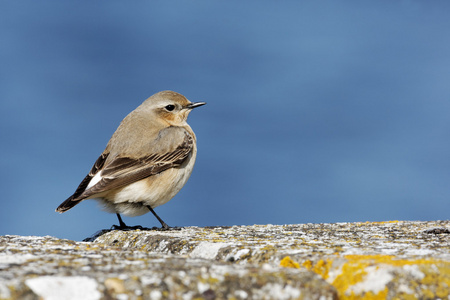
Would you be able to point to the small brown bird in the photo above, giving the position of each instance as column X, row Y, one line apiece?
column 146, row 162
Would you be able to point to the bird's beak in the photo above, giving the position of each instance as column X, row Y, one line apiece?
column 195, row 104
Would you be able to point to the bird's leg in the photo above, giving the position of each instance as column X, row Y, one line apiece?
column 163, row 224
column 121, row 223
column 123, row 226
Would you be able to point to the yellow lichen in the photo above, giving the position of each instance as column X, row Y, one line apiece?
column 287, row 262
column 382, row 222
column 404, row 296
column 322, row 267
column 212, row 280
column 307, row 264
column 427, row 294
column 351, row 274
column 353, row 271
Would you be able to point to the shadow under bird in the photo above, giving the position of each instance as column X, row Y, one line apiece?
column 146, row 162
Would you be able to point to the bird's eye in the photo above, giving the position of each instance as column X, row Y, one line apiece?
column 170, row 107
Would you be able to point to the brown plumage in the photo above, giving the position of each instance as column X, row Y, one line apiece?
column 147, row 161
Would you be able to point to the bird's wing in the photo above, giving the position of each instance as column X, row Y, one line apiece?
column 72, row 200
column 174, row 145
column 121, row 171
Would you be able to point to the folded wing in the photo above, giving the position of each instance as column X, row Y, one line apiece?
column 120, row 171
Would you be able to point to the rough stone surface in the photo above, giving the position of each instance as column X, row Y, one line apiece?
column 381, row 260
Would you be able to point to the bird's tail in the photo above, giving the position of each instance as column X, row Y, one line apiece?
column 68, row 204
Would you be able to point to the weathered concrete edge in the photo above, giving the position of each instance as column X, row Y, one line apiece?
column 386, row 253
column 43, row 267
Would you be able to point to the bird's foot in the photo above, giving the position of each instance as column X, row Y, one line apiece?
column 128, row 228
column 139, row 227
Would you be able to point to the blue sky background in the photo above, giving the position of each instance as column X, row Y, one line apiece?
column 318, row 111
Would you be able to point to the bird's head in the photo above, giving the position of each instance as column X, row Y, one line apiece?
column 170, row 107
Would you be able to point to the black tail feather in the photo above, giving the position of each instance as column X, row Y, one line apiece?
column 68, row 204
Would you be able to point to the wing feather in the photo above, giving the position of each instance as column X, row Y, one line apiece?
column 122, row 171
column 73, row 200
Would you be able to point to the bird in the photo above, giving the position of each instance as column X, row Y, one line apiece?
column 147, row 161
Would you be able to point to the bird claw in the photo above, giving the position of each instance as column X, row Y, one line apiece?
column 139, row 227
column 128, row 228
